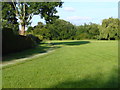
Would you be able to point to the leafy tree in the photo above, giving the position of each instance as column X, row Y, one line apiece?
column 109, row 29
column 9, row 19
column 87, row 31
column 26, row 10
column 62, row 30
column 41, row 31
column 30, row 28
column 93, row 31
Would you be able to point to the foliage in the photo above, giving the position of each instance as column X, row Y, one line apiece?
column 30, row 28
column 36, row 30
column 87, row 31
column 24, row 11
column 34, row 38
column 14, row 43
column 64, row 30
column 109, row 29
column 59, row 30
column 9, row 19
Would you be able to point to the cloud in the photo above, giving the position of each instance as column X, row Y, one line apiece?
column 71, row 9
column 77, row 18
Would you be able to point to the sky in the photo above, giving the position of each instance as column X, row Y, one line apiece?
column 79, row 12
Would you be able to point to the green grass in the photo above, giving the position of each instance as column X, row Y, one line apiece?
column 76, row 64
column 42, row 48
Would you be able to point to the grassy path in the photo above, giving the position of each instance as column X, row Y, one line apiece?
column 76, row 64
column 15, row 61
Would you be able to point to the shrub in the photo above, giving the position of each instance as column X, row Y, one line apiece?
column 34, row 38
column 14, row 43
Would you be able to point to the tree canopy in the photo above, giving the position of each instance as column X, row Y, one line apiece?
column 24, row 11
column 109, row 29
column 59, row 30
column 9, row 19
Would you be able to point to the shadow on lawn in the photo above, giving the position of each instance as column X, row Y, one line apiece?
column 39, row 49
column 26, row 53
column 71, row 43
column 95, row 81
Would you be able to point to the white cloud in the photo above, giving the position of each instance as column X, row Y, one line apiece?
column 77, row 18
column 71, row 9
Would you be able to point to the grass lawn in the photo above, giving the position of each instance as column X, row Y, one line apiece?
column 75, row 64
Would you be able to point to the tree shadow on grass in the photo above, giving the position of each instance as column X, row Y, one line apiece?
column 39, row 49
column 95, row 81
column 27, row 53
column 71, row 43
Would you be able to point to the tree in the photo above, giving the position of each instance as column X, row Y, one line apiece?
column 40, row 31
column 93, row 31
column 26, row 10
column 87, row 31
column 61, row 30
column 9, row 19
column 109, row 29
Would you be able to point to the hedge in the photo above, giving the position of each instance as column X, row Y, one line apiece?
column 14, row 43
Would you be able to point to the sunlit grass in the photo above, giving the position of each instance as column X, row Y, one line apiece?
column 76, row 64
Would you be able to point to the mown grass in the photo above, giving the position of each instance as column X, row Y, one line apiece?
column 41, row 48
column 77, row 64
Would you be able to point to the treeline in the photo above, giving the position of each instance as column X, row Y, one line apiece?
column 64, row 30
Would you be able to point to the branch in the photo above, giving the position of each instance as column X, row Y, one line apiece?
column 24, row 11
column 15, row 8
column 30, row 17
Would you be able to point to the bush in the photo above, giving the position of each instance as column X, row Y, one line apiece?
column 34, row 38
column 14, row 43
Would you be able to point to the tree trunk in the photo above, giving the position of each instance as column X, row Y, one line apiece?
column 22, row 31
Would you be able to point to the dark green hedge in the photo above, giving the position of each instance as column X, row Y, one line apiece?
column 14, row 43
column 34, row 38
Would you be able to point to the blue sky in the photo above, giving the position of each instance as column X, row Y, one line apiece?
column 85, row 11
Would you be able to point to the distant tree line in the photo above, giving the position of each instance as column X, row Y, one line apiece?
column 59, row 30
column 64, row 30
